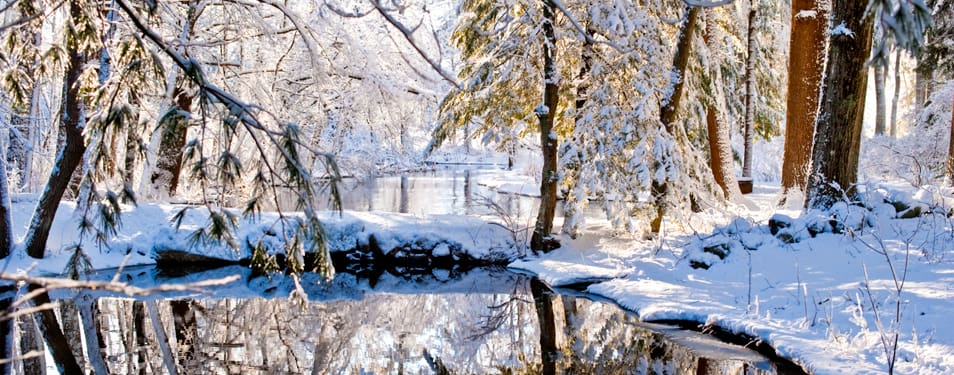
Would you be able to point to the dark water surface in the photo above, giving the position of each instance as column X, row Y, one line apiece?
column 480, row 322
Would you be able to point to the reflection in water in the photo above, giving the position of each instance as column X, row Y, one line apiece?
column 483, row 322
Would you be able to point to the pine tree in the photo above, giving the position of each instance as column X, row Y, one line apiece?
column 838, row 132
column 805, row 68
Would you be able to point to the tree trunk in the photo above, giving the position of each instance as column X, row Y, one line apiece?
column 750, row 89
column 680, row 62
column 30, row 343
column 838, row 136
column 186, row 334
column 6, row 338
column 950, row 150
column 720, row 144
column 133, row 147
column 56, row 341
column 163, row 179
column 805, row 66
column 670, row 105
column 897, row 95
column 95, row 346
column 543, row 301
column 720, row 155
column 923, row 75
column 541, row 239
column 139, row 331
column 6, row 216
column 69, row 155
column 880, row 71
column 70, row 321
column 162, row 340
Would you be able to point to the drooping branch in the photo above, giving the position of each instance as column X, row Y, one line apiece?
column 409, row 35
column 587, row 36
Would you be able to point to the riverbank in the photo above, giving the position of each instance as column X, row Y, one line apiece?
column 820, row 292
column 826, row 300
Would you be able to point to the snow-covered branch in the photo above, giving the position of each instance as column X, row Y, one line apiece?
column 409, row 35
column 708, row 4
column 51, row 283
column 581, row 30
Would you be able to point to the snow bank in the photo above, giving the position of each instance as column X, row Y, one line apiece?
column 149, row 229
column 807, row 284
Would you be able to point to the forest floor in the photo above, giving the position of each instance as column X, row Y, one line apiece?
column 831, row 294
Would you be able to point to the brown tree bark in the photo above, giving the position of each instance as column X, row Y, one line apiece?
column 541, row 240
column 838, row 132
column 69, row 155
column 750, row 101
column 805, row 66
column 720, row 155
column 679, row 63
column 667, row 115
column 720, row 144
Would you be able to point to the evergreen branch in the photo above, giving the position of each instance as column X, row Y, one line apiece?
column 24, row 20
column 586, row 36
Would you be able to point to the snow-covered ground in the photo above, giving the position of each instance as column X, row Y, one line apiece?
column 147, row 230
column 810, row 299
column 827, row 301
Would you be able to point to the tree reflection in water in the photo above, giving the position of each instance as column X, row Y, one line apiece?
column 480, row 322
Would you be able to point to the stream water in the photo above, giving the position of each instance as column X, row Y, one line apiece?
column 441, row 322
column 484, row 321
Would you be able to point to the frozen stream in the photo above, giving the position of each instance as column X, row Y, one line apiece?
column 483, row 321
